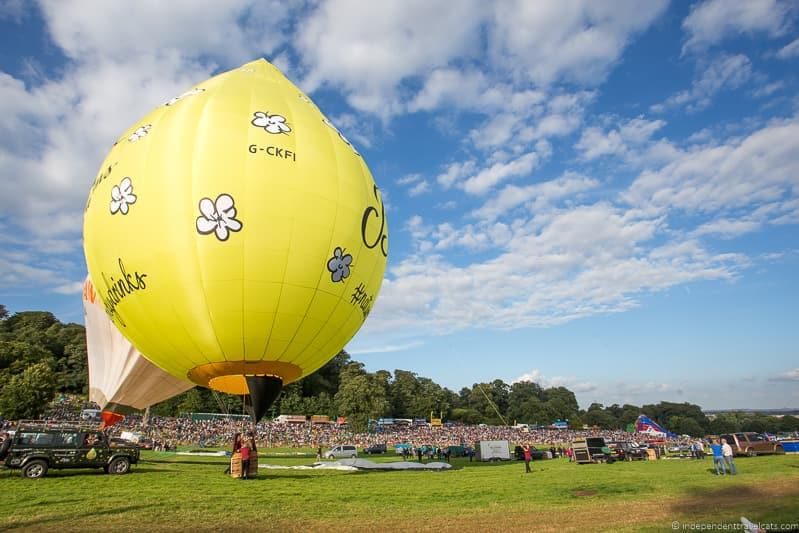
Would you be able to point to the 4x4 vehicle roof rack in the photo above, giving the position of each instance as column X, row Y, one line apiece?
column 33, row 425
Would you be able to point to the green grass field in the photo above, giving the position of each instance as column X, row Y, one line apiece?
column 168, row 492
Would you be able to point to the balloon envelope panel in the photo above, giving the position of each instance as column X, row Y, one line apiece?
column 234, row 231
column 120, row 378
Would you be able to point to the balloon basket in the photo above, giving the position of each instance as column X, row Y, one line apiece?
column 235, row 465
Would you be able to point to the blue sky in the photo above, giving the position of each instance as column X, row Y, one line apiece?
column 601, row 195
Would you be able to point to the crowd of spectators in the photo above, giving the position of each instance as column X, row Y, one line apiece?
column 211, row 433
column 169, row 432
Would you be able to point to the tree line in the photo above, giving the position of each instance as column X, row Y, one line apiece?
column 41, row 357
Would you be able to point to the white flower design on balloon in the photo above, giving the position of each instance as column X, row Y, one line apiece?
column 218, row 217
column 339, row 265
column 270, row 123
column 122, row 196
column 140, row 132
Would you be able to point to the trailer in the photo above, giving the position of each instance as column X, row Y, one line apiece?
column 493, row 450
column 591, row 450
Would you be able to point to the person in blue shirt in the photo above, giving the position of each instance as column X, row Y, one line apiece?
column 718, row 458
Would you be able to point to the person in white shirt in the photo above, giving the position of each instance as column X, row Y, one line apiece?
column 726, row 451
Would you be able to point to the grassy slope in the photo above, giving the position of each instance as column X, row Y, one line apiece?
column 182, row 493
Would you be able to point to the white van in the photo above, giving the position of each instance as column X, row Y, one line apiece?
column 342, row 450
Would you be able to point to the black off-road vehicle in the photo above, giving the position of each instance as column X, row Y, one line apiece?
column 375, row 449
column 36, row 447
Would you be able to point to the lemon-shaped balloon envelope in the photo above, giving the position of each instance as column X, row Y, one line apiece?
column 234, row 235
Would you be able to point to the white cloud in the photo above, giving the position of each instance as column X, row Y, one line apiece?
column 75, row 287
column 232, row 30
column 452, row 87
column 409, row 179
column 768, row 89
column 573, row 40
column 790, row 50
column 555, row 267
column 390, row 348
column 367, row 49
column 727, row 228
column 370, row 50
column 725, row 73
column 595, row 142
column 17, row 272
column 757, row 169
column 420, row 188
column 455, row 172
column 499, row 172
column 790, row 375
column 572, row 383
column 714, row 20
column 538, row 195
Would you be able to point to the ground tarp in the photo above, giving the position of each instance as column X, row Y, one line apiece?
column 364, row 464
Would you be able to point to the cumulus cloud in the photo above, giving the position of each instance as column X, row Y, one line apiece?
column 499, row 172
column 717, row 177
column 368, row 49
column 595, row 142
column 712, row 21
column 537, row 196
column 572, row 383
column 373, row 52
column 575, row 40
column 232, row 31
column 555, row 267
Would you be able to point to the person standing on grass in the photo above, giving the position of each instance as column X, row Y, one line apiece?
column 726, row 451
column 245, row 460
column 718, row 458
column 528, row 456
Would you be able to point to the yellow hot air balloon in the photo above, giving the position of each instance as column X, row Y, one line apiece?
column 235, row 236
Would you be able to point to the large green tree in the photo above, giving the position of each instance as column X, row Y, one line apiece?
column 27, row 394
column 361, row 396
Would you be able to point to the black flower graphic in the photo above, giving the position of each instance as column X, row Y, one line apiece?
column 122, row 196
column 270, row 123
column 218, row 217
column 339, row 265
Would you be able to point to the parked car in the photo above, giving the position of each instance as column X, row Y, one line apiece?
column 37, row 447
column 752, row 444
column 518, row 453
column 375, row 449
column 628, row 451
column 342, row 450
